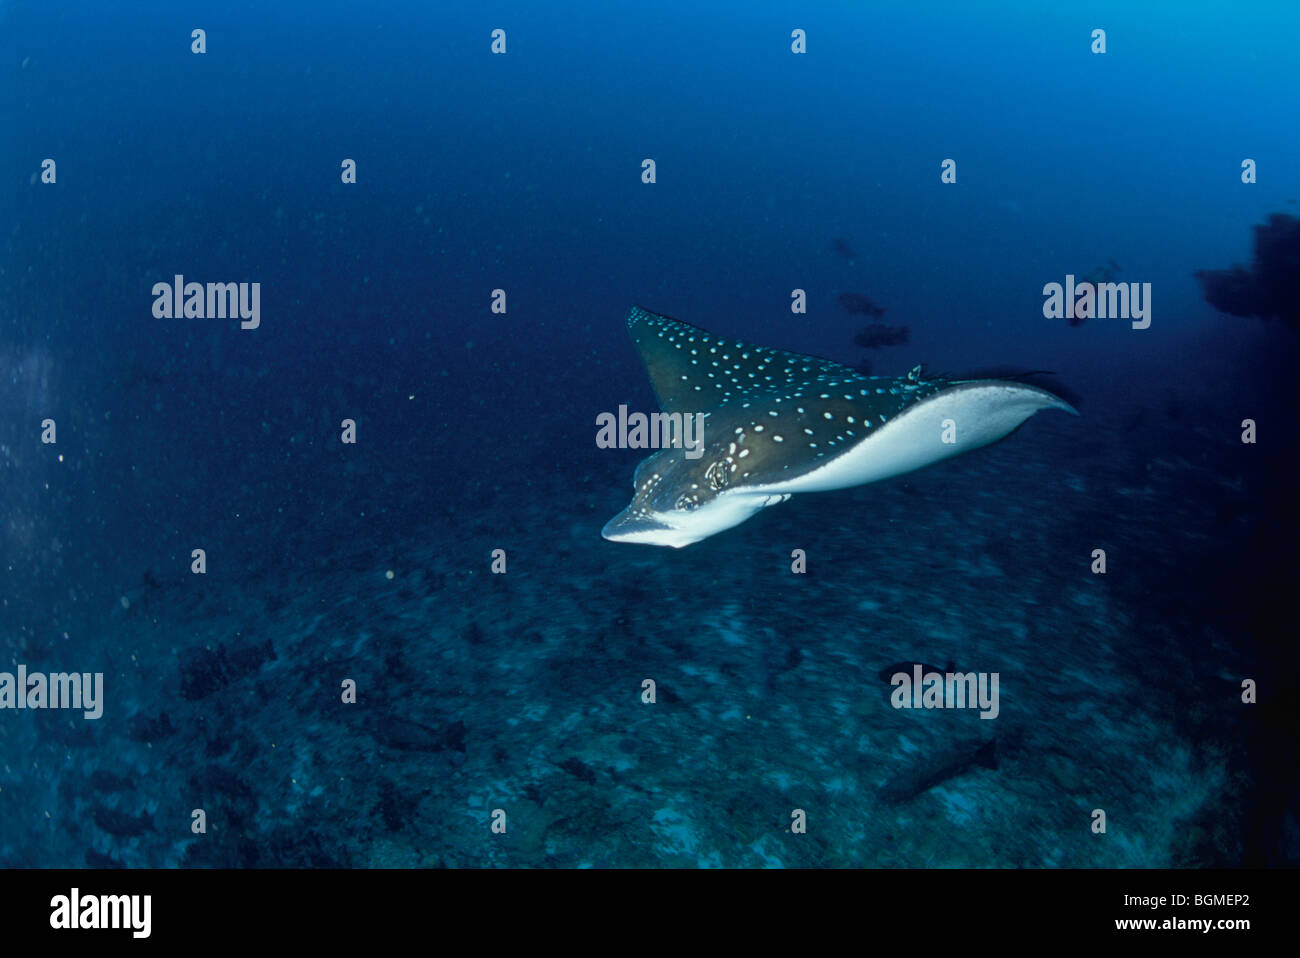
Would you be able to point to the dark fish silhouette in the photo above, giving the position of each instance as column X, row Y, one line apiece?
column 1099, row 274
column 204, row 670
column 134, row 373
column 95, row 860
column 878, row 334
column 578, row 769
column 842, row 247
column 860, row 305
column 411, row 736
column 104, row 781
column 931, row 770
column 142, row 728
column 889, row 671
column 121, row 824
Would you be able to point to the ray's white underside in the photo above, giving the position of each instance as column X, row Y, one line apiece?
column 981, row 412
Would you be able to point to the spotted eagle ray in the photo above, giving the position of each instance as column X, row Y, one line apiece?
column 777, row 423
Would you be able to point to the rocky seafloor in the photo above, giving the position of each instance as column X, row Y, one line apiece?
column 522, row 692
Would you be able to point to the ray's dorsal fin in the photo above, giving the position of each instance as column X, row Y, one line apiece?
column 693, row 370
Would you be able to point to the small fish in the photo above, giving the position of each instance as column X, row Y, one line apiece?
column 408, row 735
column 860, row 305
column 878, row 334
column 1098, row 275
column 205, row 670
column 842, row 247
column 95, row 860
column 578, row 769
column 907, row 668
column 142, row 728
column 105, row 781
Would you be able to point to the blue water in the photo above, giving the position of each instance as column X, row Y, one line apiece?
column 485, row 698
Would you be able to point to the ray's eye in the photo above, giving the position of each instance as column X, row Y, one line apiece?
column 686, row 503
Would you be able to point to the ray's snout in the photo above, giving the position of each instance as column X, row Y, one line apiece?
column 629, row 526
